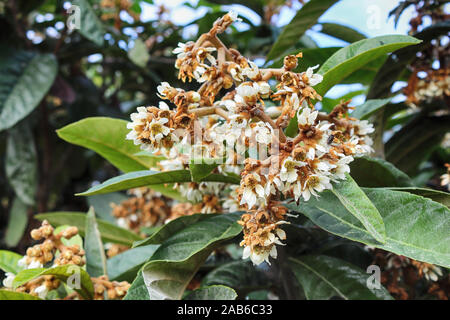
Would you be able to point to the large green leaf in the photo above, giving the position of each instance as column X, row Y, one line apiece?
column 368, row 108
column 416, row 227
column 325, row 277
column 172, row 227
column 435, row 195
column 241, row 275
column 176, row 261
column 106, row 136
column 21, row 162
column 25, row 78
column 125, row 265
column 12, row 295
column 138, row 290
column 68, row 273
column 90, row 25
column 413, row 144
column 202, row 167
column 18, row 220
column 351, row 58
column 108, row 231
column 8, row 261
column 396, row 64
column 148, row 178
column 305, row 18
column 357, row 203
column 341, row 32
column 212, row 293
column 375, row 172
column 93, row 245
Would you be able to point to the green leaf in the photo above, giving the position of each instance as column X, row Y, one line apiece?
column 202, row 167
column 12, row 295
column 106, row 136
column 139, row 53
column 358, row 204
column 102, row 204
column 18, row 220
column 93, row 245
column 9, row 260
column 70, row 274
column 21, row 162
column 351, row 58
column 125, row 265
column 414, row 143
column 341, row 32
column 90, row 25
column 375, row 172
column 396, row 63
column 369, row 107
column 176, row 261
column 435, row 195
column 416, row 227
column 25, row 78
column 172, row 227
column 148, row 178
column 241, row 275
column 292, row 128
column 108, row 231
column 138, row 290
column 305, row 18
column 212, row 293
column 325, row 277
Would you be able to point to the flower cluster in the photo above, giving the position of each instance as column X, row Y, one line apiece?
column 227, row 118
column 53, row 248
column 109, row 290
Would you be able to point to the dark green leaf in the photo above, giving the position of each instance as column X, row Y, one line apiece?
column 358, row 204
column 148, row 178
column 375, row 172
column 435, row 195
column 25, row 78
column 324, row 277
column 125, row 265
column 93, row 245
column 21, row 162
column 174, row 264
column 416, row 227
column 90, row 25
column 305, row 18
column 212, row 293
column 138, row 290
column 202, row 167
column 18, row 220
column 341, row 32
column 368, row 108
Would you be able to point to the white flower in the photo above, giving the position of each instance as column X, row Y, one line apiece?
column 230, row 105
column 8, row 281
column 273, row 111
column 306, row 117
column 252, row 71
column 41, row 291
column 445, row 180
column 313, row 78
column 172, row 164
column 252, row 190
column 289, row 168
column 363, row 127
column 231, row 204
column 246, row 92
column 233, row 16
column 199, row 74
column 162, row 88
column 263, row 88
column 236, row 73
column 180, row 51
column 315, row 183
column 433, row 273
column 22, row 263
column 342, row 167
column 35, row 264
column 263, row 132
column 158, row 130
